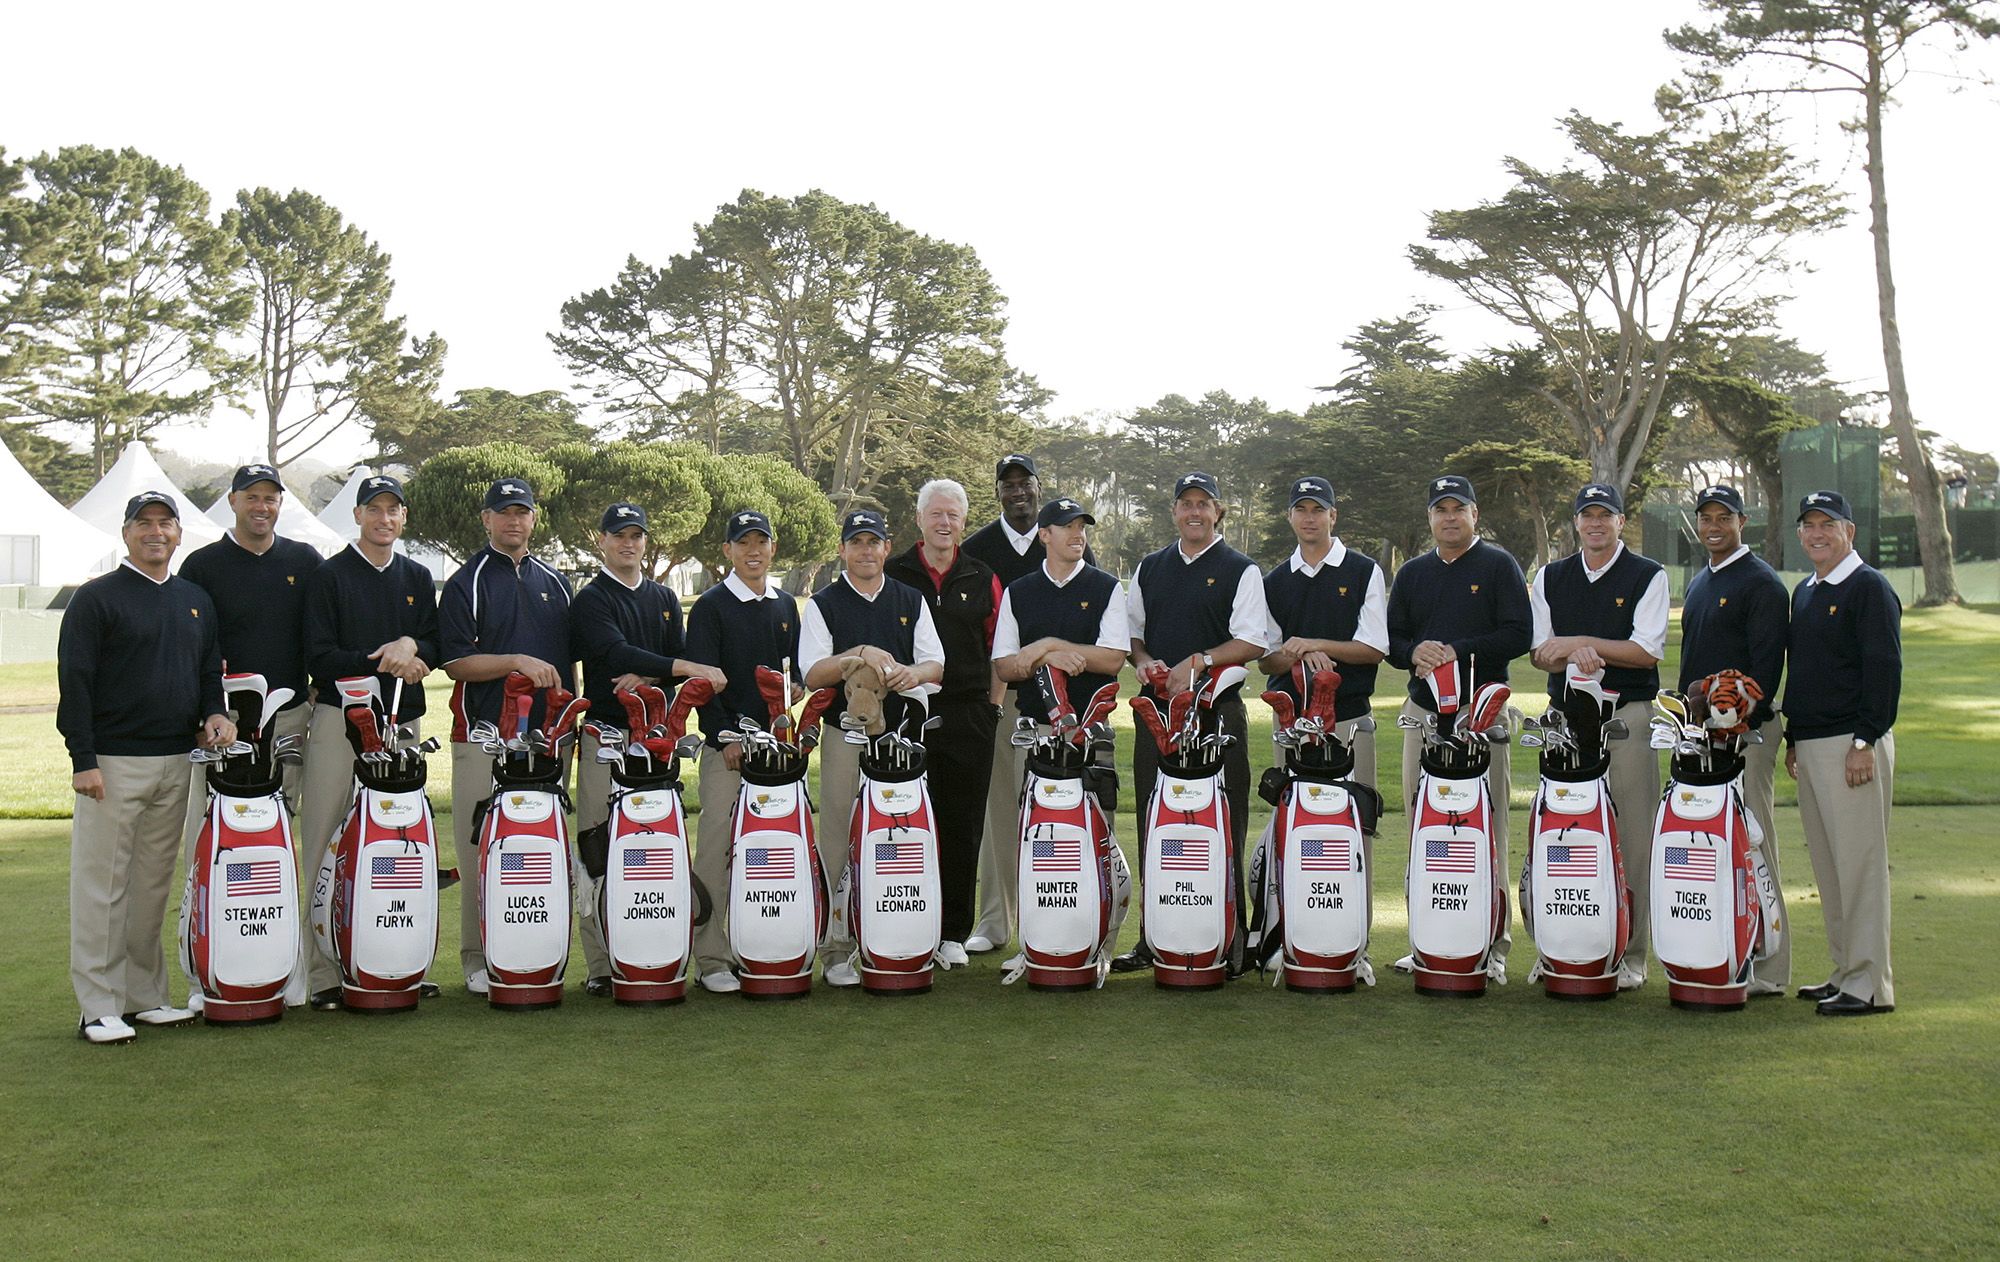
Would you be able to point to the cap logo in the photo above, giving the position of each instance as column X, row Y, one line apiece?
column 1817, row 497
column 1305, row 486
column 743, row 519
column 1441, row 484
column 1069, row 503
column 1594, row 493
column 626, row 510
column 508, row 488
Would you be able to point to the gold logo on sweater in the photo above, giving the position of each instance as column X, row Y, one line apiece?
column 409, row 600
column 1475, row 588
column 1619, row 601
column 193, row 612
column 1720, row 603
column 291, row 580
column 1083, row 604
column 1832, row 609
column 1343, row 591
column 1211, row 582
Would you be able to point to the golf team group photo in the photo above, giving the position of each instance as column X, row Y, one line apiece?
column 917, row 762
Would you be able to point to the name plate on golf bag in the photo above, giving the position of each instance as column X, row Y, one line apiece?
column 1573, row 895
column 1314, row 850
column 645, row 900
column 374, row 908
column 1074, row 884
column 894, row 891
column 1190, row 912
column 524, row 874
column 1456, row 907
column 1708, row 912
column 240, row 908
column 777, row 892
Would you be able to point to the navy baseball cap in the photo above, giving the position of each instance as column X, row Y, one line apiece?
column 863, row 521
column 139, row 502
column 1832, row 503
column 250, row 475
column 621, row 515
column 1312, row 488
column 1062, row 512
column 1451, row 487
column 380, row 484
column 1015, row 460
column 508, row 492
column 1198, row 481
column 748, row 521
column 1726, row 496
column 1601, row 494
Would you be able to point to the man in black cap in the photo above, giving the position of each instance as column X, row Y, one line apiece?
column 139, row 669
column 1846, row 651
column 626, row 630
column 964, row 598
column 1604, row 609
column 862, row 615
column 1196, row 605
column 741, row 623
column 1464, row 601
column 503, row 611
column 1067, row 614
column 369, row 610
column 1736, row 616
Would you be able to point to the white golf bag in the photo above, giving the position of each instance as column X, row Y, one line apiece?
column 1573, row 893
column 892, row 890
column 778, row 900
column 1074, row 885
column 1716, row 910
column 374, row 903
column 240, row 904
column 1453, row 887
column 1309, row 879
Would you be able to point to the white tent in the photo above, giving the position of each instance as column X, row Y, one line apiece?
column 43, row 544
column 338, row 516
column 136, row 471
column 295, row 521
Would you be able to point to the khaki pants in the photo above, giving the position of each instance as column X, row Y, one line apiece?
column 1760, row 773
column 1847, row 838
column 593, row 807
column 471, row 782
column 999, row 848
column 717, row 786
column 122, row 853
column 839, row 786
column 1499, row 787
column 1635, row 795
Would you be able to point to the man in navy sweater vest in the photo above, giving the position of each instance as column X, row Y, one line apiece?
column 503, row 611
column 1464, row 600
column 626, row 630
column 1736, row 616
column 370, row 610
column 140, row 675
column 1840, row 709
column 867, row 616
column 1067, row 614
column 741, row 623
column 1605, row 609
column 1197, row 604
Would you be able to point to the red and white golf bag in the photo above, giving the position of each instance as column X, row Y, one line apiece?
column 643, row 890
column 1716, row 910
column 1311, row 903
column 1453, row 887
column 1573, row 893
column 778, row 899
column 526, row 866
column 240, row 904
column 374, row 905
column 1074, row 884
column 893, row 893
column 1190, row 913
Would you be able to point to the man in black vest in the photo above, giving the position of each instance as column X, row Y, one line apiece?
column 964, row 598
column 1464, row 600
column 1067, row 614
column 867, row 616
column 1846, row 683
column 1196, row 604
column 1604, row 608
column 1736, row 617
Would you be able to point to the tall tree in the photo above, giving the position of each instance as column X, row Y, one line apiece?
column 143, row 296
column 1611, row 262
column 29, row 246
column 324, row 336
column 1861, row 48
column 1217, row 434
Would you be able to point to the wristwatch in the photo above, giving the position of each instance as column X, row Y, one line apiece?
column 1207, row 661
column 1861, row 744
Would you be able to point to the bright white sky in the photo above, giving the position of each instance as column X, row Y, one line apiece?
column 1174, row 198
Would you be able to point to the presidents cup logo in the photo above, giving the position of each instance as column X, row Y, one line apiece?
column 1452, row 796
column 1687, row 797
column 1817, row 497
column 1563, row 793
column 1313, row 791
column 896, row 799
column 626, row 510
column 1048, row 790
column 647, row 808
column 1440, row 484
column 528, row 808
column 744, row 519
column 252, row 817
column 508, row 488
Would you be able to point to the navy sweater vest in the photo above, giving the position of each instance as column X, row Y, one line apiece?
column 887, row 622
column 1325, row 606
column 1072, row 612
column 1604, row 609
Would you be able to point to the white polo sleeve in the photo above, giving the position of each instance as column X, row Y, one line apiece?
column 1538, row 605
column 1649, row 620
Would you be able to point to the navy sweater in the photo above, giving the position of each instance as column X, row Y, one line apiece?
column 139, row 667
column 260, row 606
column 1737, row 618
column 736, row 637
column 1477, row 604
column 616, row 630
column 1846, row 658
column 352, row 609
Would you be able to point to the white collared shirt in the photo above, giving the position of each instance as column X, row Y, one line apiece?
column 1372, row 630
column 816, row 640
column 605, row 570
column 1649, row 620
column 157, row 582
column 741, row 590
column 1020, row 543
column 1113, row 631
column 1742, row 550
column 379, row 569
column 1838, row 574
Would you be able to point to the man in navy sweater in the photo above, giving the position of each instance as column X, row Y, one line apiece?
column 741, row 623
column 863, row 615
column 1197, row 605
column 626, row 630
column 1846, row 654
column 1604, row 609
column 369, row 611
column 1736, row 616
column 503, row 611
column 140, row 675
column 1464, row 601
